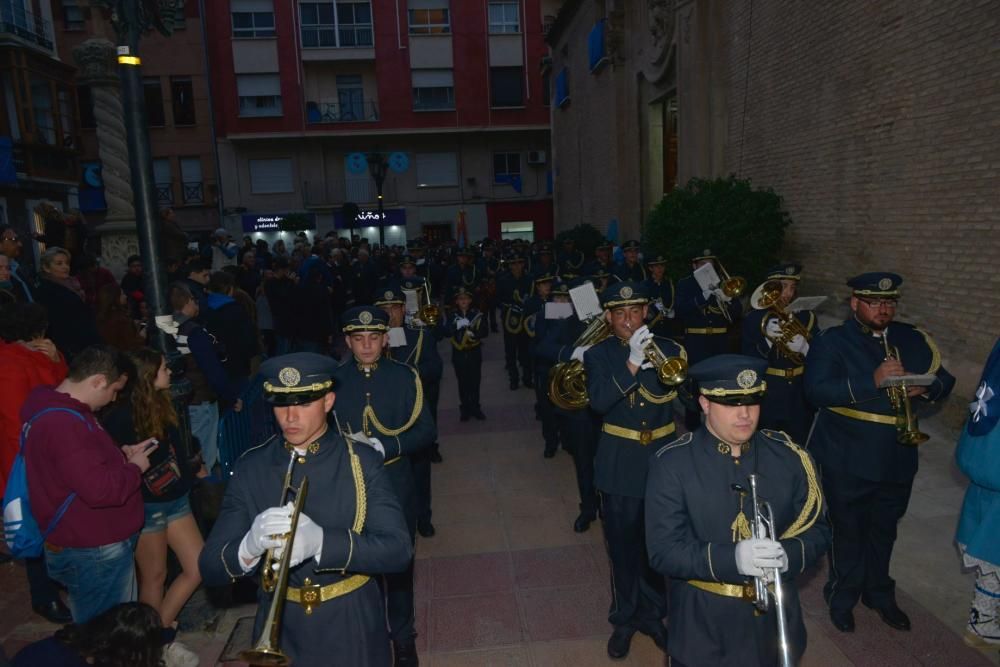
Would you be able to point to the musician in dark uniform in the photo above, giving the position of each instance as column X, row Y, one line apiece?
column 602, row 260
column 351, row 529
column 571, row 260
column 698, row 524
column 419, row 350
column 382, row 402
column 513, row 289
column 578, row 429
column 544, row 261
column 784, row 407
column 631, row 268
column 867, row 473
column 490, row 266
column 661, row 298
column 466, row 329
column 534, row 319
column 463, row 273
column 624, row 387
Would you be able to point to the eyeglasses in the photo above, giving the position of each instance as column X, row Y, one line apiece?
column 11, row 239
column 888, row 304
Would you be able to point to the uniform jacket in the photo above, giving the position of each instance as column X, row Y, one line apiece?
column 363, row 533
column 421, row 352
column 840, row 374
column 478, row 329
column 697, row 311
column 636, row 402
column 634, row 272
column 690, row 510
column 512, row 293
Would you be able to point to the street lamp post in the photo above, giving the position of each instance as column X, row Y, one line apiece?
column 378, row 167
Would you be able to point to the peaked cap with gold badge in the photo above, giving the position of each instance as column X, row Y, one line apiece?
column 625, row 293
column 364, row 318
column 297, row 378
column 876, row 283
column 731, row 379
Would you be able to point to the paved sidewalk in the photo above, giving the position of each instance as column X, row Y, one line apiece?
column 506, row 581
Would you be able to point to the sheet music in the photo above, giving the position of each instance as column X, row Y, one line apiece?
column 585, row 301
column 397, row 337
column 806, row 303
column 558, row 311
column 412, row 301
column 706, row 276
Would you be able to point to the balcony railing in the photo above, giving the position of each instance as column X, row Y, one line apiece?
column 194, row 192
column 44, row 161
column 164, row 194
column 17, row 20
column 333, row 112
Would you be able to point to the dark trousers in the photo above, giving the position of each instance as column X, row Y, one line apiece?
column 638, row 596
column 579, row 432
column 516, row 352
column 546, row 411
column 864, row 515
column 468, row 366
column 398, row 586
column 422, row 460
column 43, row 589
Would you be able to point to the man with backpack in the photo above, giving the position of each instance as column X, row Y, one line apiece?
column 84, row 493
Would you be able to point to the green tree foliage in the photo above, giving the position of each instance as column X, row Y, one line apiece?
column 743, row 226
column 586, row 236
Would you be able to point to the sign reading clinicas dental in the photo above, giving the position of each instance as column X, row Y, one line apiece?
column 272, row 222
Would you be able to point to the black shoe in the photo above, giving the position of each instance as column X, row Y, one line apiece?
column 550, row 453
column 54, row 612
column 436, row 456
column 620, row 642
column 405, row 654
column 843, row 620
column 478, row 414
column 658, row 634
column 891, row 615
column 583, row 522
column 425, row 528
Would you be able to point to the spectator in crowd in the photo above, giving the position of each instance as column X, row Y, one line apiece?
column 196, row 274
column 64, row 230
column 10, row 292
column 264, row 257
column 10, row 246
column 223, row 249
column 114, row 321
column 280, row 291
column 229, row 322
column 147, row 411
column 173, row 240
column 132, row 285
column 126, row 635
column 27, row 360
column 203, row 358
column 68, row 454
column 247, row 274
column 364, row 279
column 314, row 314
column 278, row 249
column 72, row 326
column 92, row 278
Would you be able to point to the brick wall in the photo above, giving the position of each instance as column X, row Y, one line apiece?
column 879, row 123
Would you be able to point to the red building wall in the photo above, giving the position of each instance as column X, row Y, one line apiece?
column 539, row 212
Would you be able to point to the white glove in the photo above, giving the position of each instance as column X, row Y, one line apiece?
column 637, row 345
column 308, row 542
column 579, row 351
column 265, row 533
column 659, row 306
column 166, row 324
column 773, row 329
column 417, row 322
column 670, row 313
column 706, row 294
column 374, row 443
column 756, row 554
column 799, row 344
column 462, row 323
column 721, row 296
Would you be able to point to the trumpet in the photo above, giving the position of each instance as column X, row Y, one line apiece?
column 266, row 651
column 568, row 380
column 907, row 428
column 768, row 296
column 670, row 371
column 760, row 595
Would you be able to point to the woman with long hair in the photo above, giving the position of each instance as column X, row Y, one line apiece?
column 114, row 321
column 127, row 635
column 149, row 410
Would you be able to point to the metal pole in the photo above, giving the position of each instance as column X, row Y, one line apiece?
column 141, row 165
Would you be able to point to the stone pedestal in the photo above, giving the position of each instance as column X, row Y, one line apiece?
column 119, row 240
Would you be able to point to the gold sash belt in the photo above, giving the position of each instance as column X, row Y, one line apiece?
column 728, row 590
column 644, row 437
column 706, row 330
column 312, row 595
column 787, row 372
column 865, row 416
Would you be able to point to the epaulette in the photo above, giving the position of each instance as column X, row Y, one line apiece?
column 779, row 436
column 679, row 442
column 252, row 449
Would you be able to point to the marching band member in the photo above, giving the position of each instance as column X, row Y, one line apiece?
column 466, row 329
column 661, row 297
column 631, row 268
column 513, row 289
column 534, row 320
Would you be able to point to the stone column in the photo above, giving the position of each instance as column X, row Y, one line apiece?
column 97, row 61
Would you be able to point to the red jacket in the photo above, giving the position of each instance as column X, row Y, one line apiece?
column 21, row 370
column 63, row 455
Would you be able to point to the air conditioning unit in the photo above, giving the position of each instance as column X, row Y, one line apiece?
column 536, row 157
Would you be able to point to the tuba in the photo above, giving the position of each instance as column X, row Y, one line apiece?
column 266, row 651
column 907, row 428
column 768, row 296
column 568, row 380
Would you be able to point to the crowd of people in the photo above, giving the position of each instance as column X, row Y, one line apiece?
column 345, row 339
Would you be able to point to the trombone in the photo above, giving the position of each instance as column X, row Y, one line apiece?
column 266, row 651
column 763, row 526
column 907, row 428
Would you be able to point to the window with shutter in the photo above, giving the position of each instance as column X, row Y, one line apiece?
column 271, row 176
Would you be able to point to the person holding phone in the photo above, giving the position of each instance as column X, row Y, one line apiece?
column 70, row 458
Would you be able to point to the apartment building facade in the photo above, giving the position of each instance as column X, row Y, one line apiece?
column 178, row 112
column 448, row 98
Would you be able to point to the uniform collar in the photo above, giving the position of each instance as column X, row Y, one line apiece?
column 312, row 448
